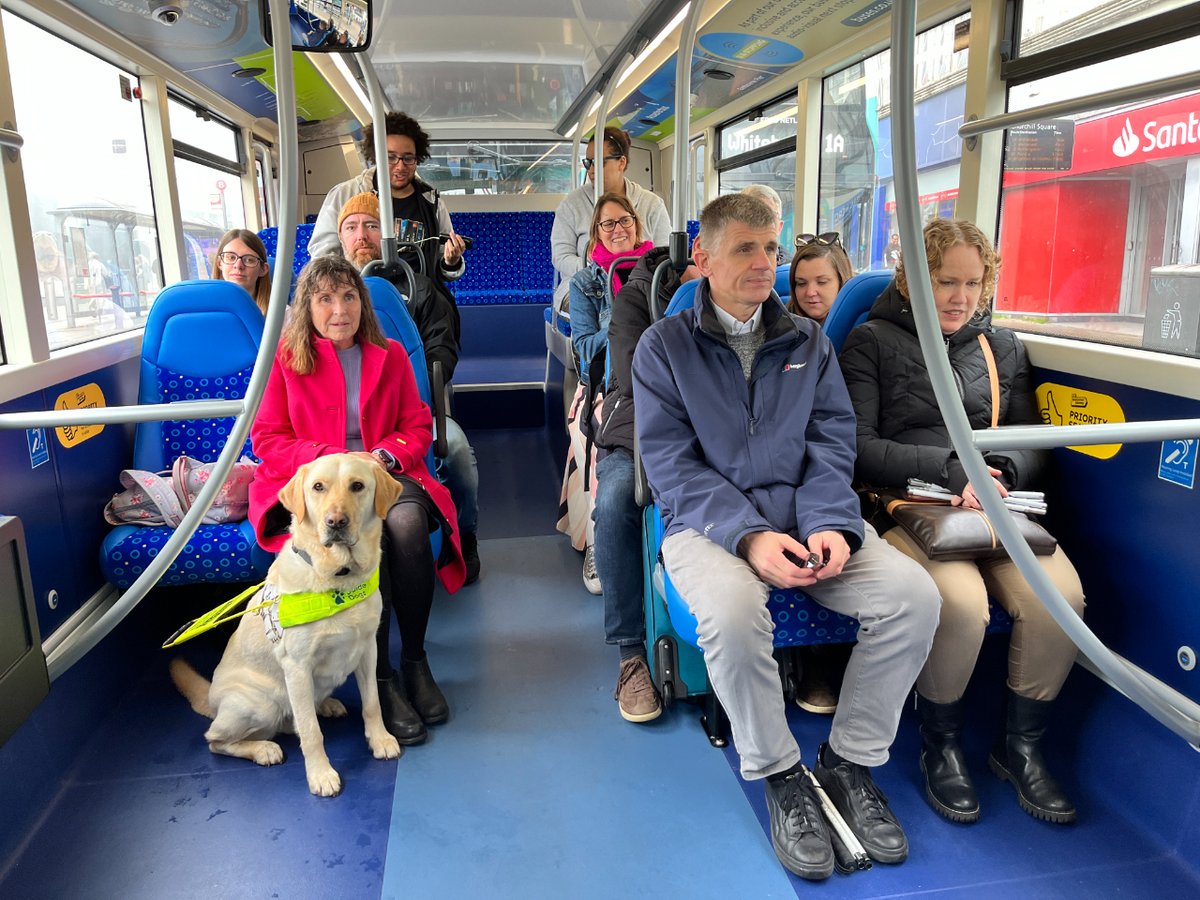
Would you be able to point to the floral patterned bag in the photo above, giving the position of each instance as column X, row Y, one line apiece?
column 162, row 498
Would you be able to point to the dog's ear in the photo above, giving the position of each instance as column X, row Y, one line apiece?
column 387, row 490
column 291, row 495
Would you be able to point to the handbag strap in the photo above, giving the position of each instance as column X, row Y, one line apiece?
column 993, row 378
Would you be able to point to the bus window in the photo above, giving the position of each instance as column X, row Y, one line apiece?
column 857, row 184
column 88, row 183
column 760, row 148
column 208, row 171
column 499, row 167
column 1100, row 212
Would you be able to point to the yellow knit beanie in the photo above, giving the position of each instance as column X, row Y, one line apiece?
column 360, row 203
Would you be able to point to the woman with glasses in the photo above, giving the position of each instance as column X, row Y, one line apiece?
column 901, row 435
column 615, row 232
column 819, row 269
column 570, row 238
column 241, row 258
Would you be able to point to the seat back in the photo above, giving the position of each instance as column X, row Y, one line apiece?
column 685, row 295
column 853, row 304
column 398, row 325
column 200, row 343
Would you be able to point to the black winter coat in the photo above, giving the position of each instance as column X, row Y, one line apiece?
column 900, row 430
column 436, row 317
column 630, row 318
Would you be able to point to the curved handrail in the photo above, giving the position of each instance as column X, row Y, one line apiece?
column 72, row 648
column 1168, row 706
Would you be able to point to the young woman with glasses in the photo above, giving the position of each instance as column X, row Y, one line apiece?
column 819, row 269
column 569, row 238
column 241, row 258
column 615, row 232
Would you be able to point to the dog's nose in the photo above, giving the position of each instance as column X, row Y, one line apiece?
column 336, row 520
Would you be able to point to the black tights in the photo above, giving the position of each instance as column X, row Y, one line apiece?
column 406, row 575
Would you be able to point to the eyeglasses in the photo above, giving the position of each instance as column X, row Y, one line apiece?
column 407, row 159
column 588, row 163
column 609, row 225
column 249, row 261
column 828, row 239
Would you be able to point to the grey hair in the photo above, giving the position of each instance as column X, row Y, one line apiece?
column 742, row 208
column 766, row 194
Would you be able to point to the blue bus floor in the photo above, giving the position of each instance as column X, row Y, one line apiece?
column 534, row 788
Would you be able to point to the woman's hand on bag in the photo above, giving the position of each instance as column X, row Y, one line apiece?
column 969, row 498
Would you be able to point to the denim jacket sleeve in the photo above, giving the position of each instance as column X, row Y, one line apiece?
column 590, row 314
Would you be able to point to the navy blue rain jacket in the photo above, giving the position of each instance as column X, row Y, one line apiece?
column 727, row 457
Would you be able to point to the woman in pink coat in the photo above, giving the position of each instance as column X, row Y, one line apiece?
column 338, row 385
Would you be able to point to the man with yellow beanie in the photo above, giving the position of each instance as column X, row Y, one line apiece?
column 436, row 319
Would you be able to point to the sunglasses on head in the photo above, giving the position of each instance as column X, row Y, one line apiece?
column 828, row 239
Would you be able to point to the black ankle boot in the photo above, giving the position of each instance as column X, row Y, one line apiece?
column 948, row 785
column 399, row 718
column 424, row 692
column 1018, row 758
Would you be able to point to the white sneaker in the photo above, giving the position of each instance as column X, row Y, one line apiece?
column 591, row 580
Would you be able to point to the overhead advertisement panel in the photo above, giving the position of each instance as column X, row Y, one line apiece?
column 745, row 45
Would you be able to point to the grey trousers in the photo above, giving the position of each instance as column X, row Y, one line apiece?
column 896, row 604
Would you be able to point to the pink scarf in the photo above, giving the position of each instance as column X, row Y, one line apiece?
column 603, row 257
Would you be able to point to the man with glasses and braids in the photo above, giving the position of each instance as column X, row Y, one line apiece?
column 572, row 220
column 412, row 199
column 748, row 439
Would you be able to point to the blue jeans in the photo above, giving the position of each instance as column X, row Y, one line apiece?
column 461, row 476
column 618, row 543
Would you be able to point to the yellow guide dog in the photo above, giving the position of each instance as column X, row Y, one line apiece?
column 273, row 679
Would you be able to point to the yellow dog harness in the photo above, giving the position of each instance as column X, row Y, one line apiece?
column 284, row 610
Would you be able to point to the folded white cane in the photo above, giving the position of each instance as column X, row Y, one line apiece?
column 847, row 850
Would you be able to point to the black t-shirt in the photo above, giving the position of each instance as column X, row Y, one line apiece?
column 421, row 225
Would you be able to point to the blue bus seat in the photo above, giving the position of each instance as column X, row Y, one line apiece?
column 398, row 325
column 853, row 305
column 200, row 343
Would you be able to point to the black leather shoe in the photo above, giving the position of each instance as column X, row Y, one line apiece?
column 948, row 786
column 470, row 552
column 864, row 807
column 798, row 830
column 399, row 718
column 424, row 693
column 1018, row 758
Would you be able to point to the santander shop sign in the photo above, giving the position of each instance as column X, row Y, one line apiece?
column 1157, row 131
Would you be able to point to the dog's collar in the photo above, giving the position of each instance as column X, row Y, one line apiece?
column 303, row 554
column 309, row 606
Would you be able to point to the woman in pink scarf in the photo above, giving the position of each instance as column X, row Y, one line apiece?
column 616, row 232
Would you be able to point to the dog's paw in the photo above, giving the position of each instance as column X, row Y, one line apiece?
column 267, row 753
column 331, row 708
column 324, row 782
column 385, row 747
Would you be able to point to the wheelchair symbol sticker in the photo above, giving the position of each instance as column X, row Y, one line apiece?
column 39, row 451
column 1177, row 462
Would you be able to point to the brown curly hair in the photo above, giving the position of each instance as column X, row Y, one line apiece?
column 940, row 236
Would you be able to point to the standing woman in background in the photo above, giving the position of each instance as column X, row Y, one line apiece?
column 569, row 238
column 241, row 257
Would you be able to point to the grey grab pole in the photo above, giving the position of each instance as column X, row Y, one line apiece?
column 598, row 147
column 79, row 642
column 1168, row 706
column 683, row 121
column 389, row 249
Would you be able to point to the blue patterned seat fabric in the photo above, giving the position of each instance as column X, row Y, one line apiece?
column 200, row 342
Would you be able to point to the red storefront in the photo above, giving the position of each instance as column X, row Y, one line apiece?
column 1083, row 241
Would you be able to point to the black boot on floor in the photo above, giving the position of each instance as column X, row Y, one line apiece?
column 470, row 552
column 1017, row 758
column 423, row 692
column 948, row 785
column 399, row 718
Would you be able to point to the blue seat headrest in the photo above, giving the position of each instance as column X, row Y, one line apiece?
column 853, row 304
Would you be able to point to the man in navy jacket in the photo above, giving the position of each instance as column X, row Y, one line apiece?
column 748, row 439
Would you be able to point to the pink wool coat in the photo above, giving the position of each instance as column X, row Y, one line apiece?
column 304, row 416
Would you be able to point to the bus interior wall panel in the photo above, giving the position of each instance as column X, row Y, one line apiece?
column 61, row 501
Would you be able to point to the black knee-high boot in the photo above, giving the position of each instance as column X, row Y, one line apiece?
column 1017, row 758
column 400, row 719
column 411, row 576
column 948, row 785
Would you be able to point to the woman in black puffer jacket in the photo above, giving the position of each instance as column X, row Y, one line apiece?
column 901, row 435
